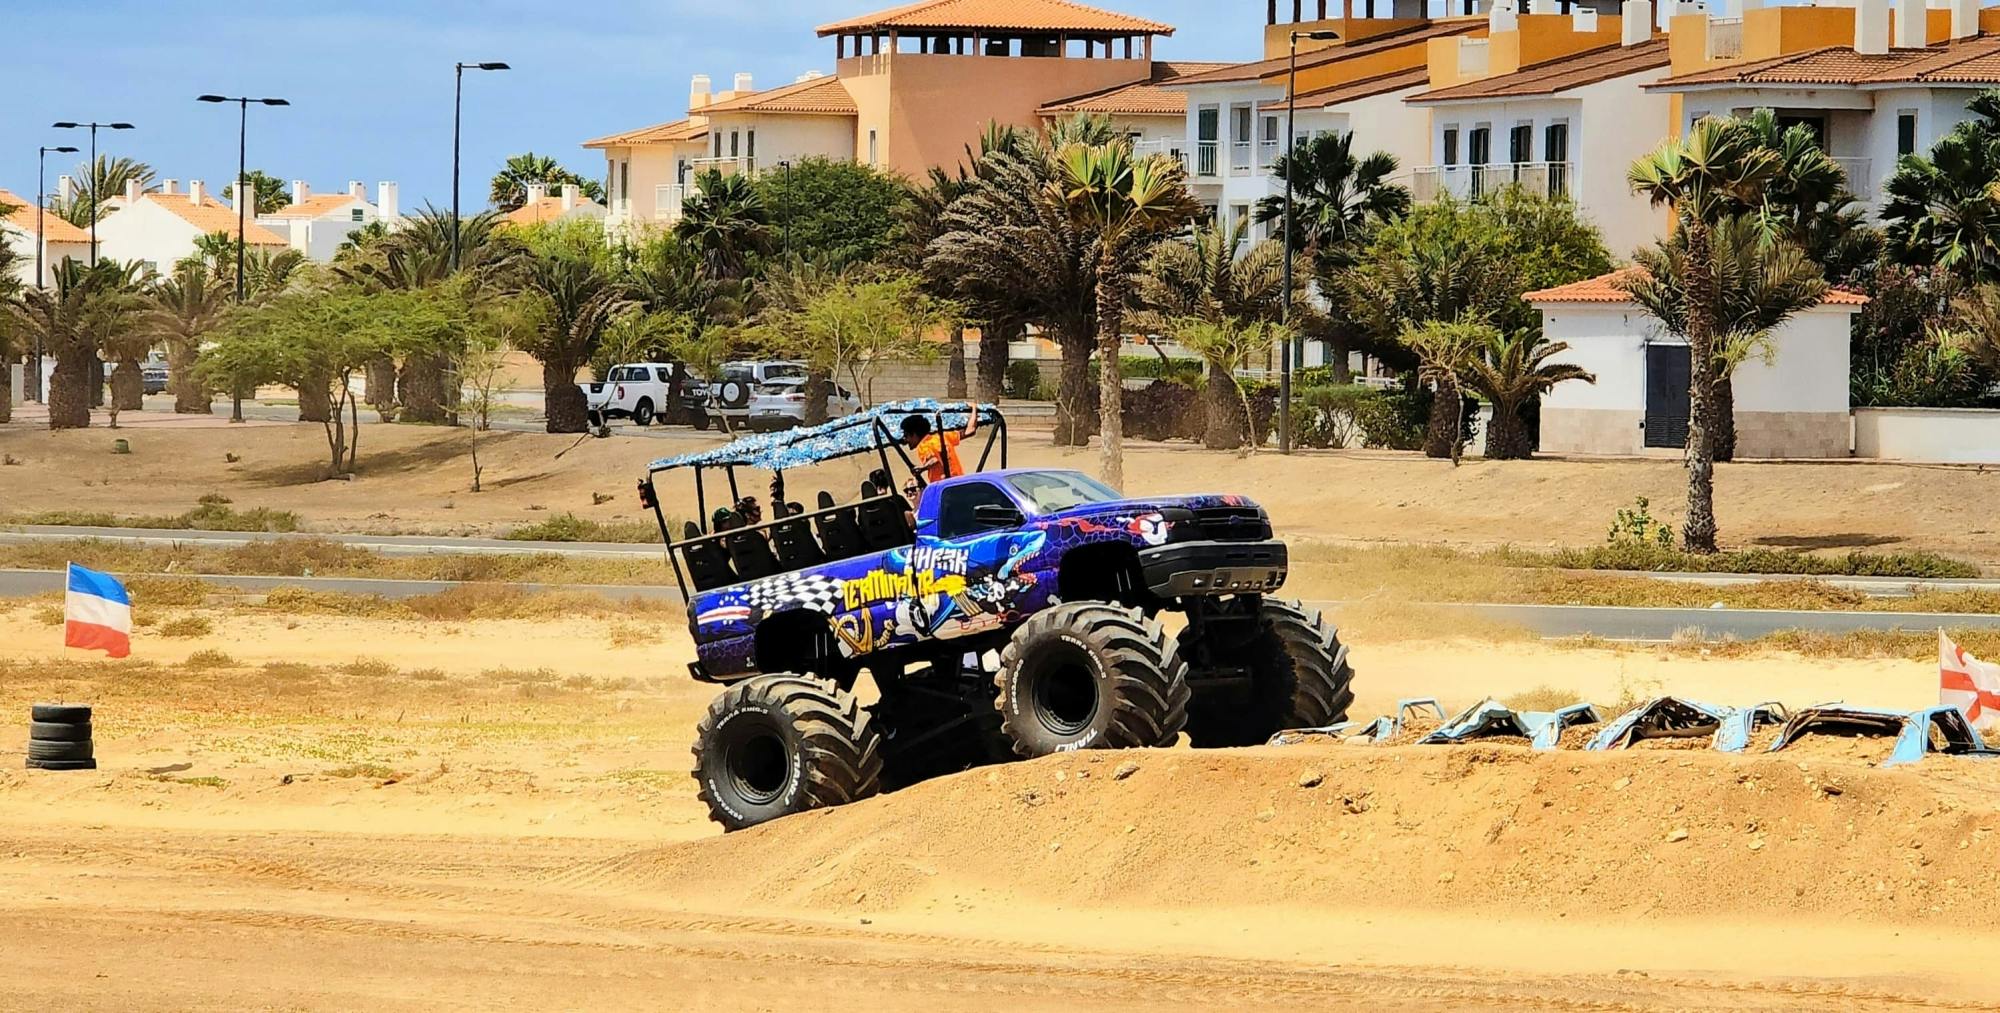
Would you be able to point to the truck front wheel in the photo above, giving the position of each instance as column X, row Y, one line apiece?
column 1090, row 675
column 1299, row 678
column 642, row 413
column 780, row 744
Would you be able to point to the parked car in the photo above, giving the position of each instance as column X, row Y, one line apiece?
column 781, row 404
column 639, row 391
column 153, row 376
column 736, row 383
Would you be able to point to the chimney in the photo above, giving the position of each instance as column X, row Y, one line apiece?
column 572, row 194
column 1910, row 24
column 1543, row 7
column 1964, row 18
column 300, row 191
column 1503, row 16
column 743, row 85
column 1583, row 20
column 385, row 202
column 356, row 191
column 1637, row 25
column 171, row 186
column 537, row 191
column 131, row 191
column 65, row 189
column 197, row 194
column 245, row 190
column 698, row 91
column 1871, row 27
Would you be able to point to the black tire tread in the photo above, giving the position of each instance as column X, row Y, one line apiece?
column 59, row 731
column 67, row 712
column 843, row 761
column 1314, row 691
column 1150, row 691
column 62, row 764
column 40, row 750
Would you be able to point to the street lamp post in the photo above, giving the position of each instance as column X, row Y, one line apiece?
column 245, row 195
column 94, row 205
column 32, row 383
column 1285, row 307
column 457, row 106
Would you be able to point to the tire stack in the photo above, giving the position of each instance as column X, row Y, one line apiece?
column 59, row 737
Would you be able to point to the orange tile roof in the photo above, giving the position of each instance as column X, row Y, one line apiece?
column 1417, row 36
column 1005, row 15
column 1561, row 74
column 821, row 96
column 548, row 209
column 1604, row 289
column 1141, row 98
column 678, row 131
column 318, row 205
column 1975, row 60
column 23, row 217
column 1415, row 77
column 212, row 215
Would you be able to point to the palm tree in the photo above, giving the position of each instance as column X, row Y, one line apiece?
column 1718, row 166
column 10, row 349
column 728, row 222
column 1127, row 205
column 1445, row 350
column 1012, row 238
column 1808, row 202
column 1944, row 208
column 105, row 178
column 509, row 189
column 1203, row 280
column 1337, row 199
column 570, row 274
column 185, row 308
column 1510, row 371
column 1761, row 281
column 72, row 319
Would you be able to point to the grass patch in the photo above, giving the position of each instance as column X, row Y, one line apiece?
column 468, row 601
column 1632, row 555
column 186, row 627
column 568, row 527
column 371, row 771
column 183, row 592
column 206, row 781
column 1543, row 698
column 319, row 557
column 629, row 635
column 211, row 513
column 368, row 668
column 206, row 660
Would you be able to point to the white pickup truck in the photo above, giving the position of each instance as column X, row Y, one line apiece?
column 639, row 391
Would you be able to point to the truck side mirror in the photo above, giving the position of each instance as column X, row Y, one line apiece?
column 996, row 515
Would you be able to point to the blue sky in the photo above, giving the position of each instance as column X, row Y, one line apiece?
column 370, row 80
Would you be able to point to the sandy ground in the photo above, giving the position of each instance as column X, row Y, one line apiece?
column 358, row 813
column 416, row 479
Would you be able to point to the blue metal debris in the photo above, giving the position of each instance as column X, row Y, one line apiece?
column 1932, row 729
column 1672, row 717
column 1379, row 730
column 1543, row 729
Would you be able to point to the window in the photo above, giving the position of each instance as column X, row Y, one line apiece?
column 718, row 144
column 958, row 505
column 735, row 143
column 1051, row 491
column 1239, row 123
column 1906, row 133
column 625, row 180
column 872, row 159
column 1480, row 145
column 357, row 214
column 1451, row 145
column 1270, row 130
column 1238, row 213
column 1555, row 143
column 750, row 144
column 663, row 375
column 1521, row 143
column 1206, row 121
column 681, row 172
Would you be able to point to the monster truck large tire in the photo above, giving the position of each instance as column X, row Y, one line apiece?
column 1299, row 678
column 780, row 744
column 1090, row 675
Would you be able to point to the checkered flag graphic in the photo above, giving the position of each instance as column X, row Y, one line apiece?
column 796, row 590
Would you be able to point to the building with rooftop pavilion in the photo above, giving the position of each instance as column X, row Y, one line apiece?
column 912, row 88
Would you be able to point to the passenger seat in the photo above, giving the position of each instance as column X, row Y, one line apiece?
column 708, row 564
column 839, row 533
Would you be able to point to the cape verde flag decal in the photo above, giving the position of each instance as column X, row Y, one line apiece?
column 97, row 613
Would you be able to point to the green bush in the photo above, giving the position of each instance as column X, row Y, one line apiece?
column 1153, row 367
column 1632, row 554
column 1023, row 380
column 568, row 527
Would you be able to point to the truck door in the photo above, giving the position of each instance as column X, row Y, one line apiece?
column 965, row 573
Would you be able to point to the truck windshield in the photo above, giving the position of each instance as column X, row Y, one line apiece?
column 1051, row 491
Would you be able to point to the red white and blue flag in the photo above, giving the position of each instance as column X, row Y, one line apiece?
column 97, row 613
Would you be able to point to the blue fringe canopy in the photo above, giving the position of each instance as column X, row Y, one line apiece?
column 830, row 440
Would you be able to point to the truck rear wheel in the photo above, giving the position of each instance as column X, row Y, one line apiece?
column 642, row 413
column 780, row 744
column 1299, row 678
column 1090, row 675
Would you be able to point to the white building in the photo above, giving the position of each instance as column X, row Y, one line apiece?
column 160, row 228
column 1793, row 404
column 1870, row 103
column 315, row 224
column 1150, row 112
column 1569, row 126
column 58, row 240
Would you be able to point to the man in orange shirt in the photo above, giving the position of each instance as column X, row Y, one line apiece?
column 937, row 453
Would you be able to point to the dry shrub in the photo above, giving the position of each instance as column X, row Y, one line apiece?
column 1543, row 698
column 426, row 675
column 186, row 627
column 293, row 557
column 629, row 635
column 149, row 592
column 206, row 660
column 49, row 615
column 368, row 668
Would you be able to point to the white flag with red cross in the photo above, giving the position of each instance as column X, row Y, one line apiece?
column 1969, row 684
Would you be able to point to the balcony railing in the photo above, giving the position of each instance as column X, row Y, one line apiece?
column 1468, row 181
column 667, row 198
column 1725, row 38
column 1172, row 147
column 1205, row 158
column 728, row 165
column 1239, row 158
column 1860, row 176
column 1267, row 153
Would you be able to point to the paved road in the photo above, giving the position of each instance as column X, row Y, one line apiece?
column 1611, row 623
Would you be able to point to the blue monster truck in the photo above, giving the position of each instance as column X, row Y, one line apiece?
column 1013, row 613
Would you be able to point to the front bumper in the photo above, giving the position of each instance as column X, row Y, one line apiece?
column 1182, row 569
column 772, row 422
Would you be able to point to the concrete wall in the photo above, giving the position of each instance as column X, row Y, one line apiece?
column 783, row 137
column 1957, row 435
column 1792, row 403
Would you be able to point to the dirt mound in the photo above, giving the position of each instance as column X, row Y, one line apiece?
column 1481, row 827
